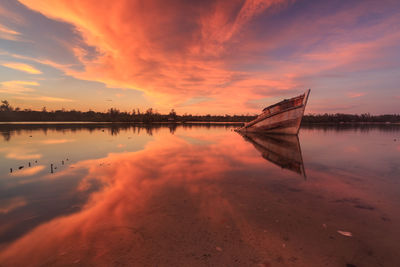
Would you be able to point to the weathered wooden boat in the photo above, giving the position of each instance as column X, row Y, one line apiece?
column 281, row 150
column 282, row 118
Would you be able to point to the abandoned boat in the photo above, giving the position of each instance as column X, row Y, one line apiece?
column 282, row 118
column 281, row 150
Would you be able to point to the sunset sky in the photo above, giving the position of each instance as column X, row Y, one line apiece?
column 209, row 56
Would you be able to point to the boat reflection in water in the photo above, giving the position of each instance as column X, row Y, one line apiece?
column 282, row 150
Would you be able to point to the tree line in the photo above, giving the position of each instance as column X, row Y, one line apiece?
column 351, row 118
column 9, row 113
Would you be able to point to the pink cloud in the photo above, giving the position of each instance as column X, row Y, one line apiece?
column 170, row 51
column 355, row 94
column 180, row 50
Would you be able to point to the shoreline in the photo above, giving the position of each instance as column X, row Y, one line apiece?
column 179, row 123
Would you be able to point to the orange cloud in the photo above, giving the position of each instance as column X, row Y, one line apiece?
column 21, row 155
column 8, row 34
column 170, row 51
column 355, row 94
column 22, row 67
column 56, row 141
column 17, row 87
column 7, row 205
column 44, row 98
column 29, row 171
column 180, row 51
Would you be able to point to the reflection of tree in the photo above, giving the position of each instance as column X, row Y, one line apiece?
column 351, row 127
column 172, row 128
column 114, row 130
column 8, row 130
column 6, row 135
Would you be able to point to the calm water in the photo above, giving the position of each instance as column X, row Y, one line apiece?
column 198, row 196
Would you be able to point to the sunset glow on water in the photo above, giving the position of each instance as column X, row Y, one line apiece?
column 196, row 196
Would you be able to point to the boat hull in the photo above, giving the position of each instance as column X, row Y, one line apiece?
column 287, row 122
column 281, row 120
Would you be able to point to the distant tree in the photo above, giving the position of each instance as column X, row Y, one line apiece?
column 9, row 113
column 172, row 114
column 149, row 111
column 5, row 106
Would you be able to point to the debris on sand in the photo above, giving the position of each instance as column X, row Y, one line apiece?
column 20, row 167
column 345, row 233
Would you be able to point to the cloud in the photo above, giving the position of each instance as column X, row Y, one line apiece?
column 234, row 52
column 17, row 87
column 8, row 34
column 56, row 141
column 22, row 154
column 11, row 16
column 53, row 99
column 44, row 98
column 8, row 205
column 29, row 171
column 355, row 94
column 22, row 67
column 172, row 51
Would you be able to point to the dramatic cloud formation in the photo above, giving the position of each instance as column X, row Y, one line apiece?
column 222, row 56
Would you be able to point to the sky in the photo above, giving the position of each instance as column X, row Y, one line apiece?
column 200, row 57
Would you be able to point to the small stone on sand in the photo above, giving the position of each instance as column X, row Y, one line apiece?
column 345, row 233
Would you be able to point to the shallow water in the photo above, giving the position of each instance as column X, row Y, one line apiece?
column 198, row 196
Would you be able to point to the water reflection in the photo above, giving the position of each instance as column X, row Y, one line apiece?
column 282, row 150
column 152, row 198
column 10, row 130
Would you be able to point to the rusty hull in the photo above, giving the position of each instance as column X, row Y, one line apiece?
column 281, row 118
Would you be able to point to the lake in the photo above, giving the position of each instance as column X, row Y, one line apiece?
column 198, row 195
